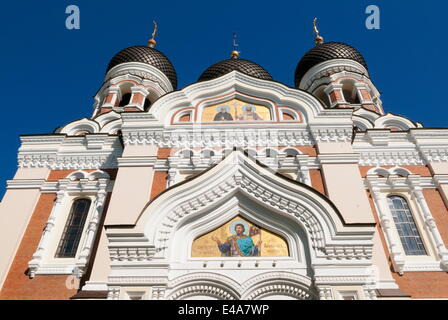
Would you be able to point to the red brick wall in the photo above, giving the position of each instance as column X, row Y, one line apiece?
column 317, row 182
column 20, row 286
column 335, row 96
column 438, row 210
column 365, row 94
column 159, row 183
column 109, row 98
column 164, row 153
column 137, row 98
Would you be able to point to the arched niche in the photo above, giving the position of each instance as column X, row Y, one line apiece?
column 238, row 206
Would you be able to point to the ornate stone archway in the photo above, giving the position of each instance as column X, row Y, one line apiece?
column 324, row 248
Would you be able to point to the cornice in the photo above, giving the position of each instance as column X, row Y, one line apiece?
column 137, row 161
column 389, row 157
column 214, row 138
column 61, row 152
column 141, row 70
column 83, row 185
column 342, row 158
column 331, row 67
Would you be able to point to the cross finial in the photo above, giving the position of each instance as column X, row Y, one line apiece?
column 235, row 53
column 152, row 43
column 319, row 39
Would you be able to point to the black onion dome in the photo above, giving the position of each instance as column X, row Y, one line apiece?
column 146, row 55
column 324, row 52
column 244, row 66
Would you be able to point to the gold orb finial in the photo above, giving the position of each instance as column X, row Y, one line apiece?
column 235, row 54
column 319, row 39
column 151, row 42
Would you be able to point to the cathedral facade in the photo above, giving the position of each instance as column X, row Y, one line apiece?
column 234, row 187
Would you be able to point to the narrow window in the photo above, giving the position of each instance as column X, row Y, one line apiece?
column 125, row 100
column 147, row 104
column 407, row 229
column 73, row 229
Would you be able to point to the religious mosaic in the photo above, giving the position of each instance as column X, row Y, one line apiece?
column 240, row 238
column 236, row 110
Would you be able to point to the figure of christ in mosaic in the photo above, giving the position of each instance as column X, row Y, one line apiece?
column 240, row 244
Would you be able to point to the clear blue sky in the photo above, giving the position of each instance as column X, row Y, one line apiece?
column 49, row 74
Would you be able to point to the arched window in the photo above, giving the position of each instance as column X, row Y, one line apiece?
column 147, row 104
column 207, row 153
column 323, row 97
column 73, row 229
column 350, row 92
column 406, row 227
column 290, row 153
column 125, row 100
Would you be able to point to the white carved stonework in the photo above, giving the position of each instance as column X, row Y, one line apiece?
column 430, row 222
column 436, row 155
column 158, row 293
column 325, row 293
column 96, row 151
column 221, row 138
column 114, row 293
column 140, row 70
column 36, row 261
column 333, row 67
column 390, row 158
column 201, row 290
column 386, row 224
column 332, row 134
column 370, row 294
column 258, row 287
column 92, row 227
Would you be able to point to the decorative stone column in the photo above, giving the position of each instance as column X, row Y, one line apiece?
column 172, row 172
column 396, row 255
column 430, row 222
column 365, row 98
column 158, row 293
column 92, row 229
column 325, row 293
column 334, row 91
column 138, row 98
column 113, row 95
column 303, row 172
